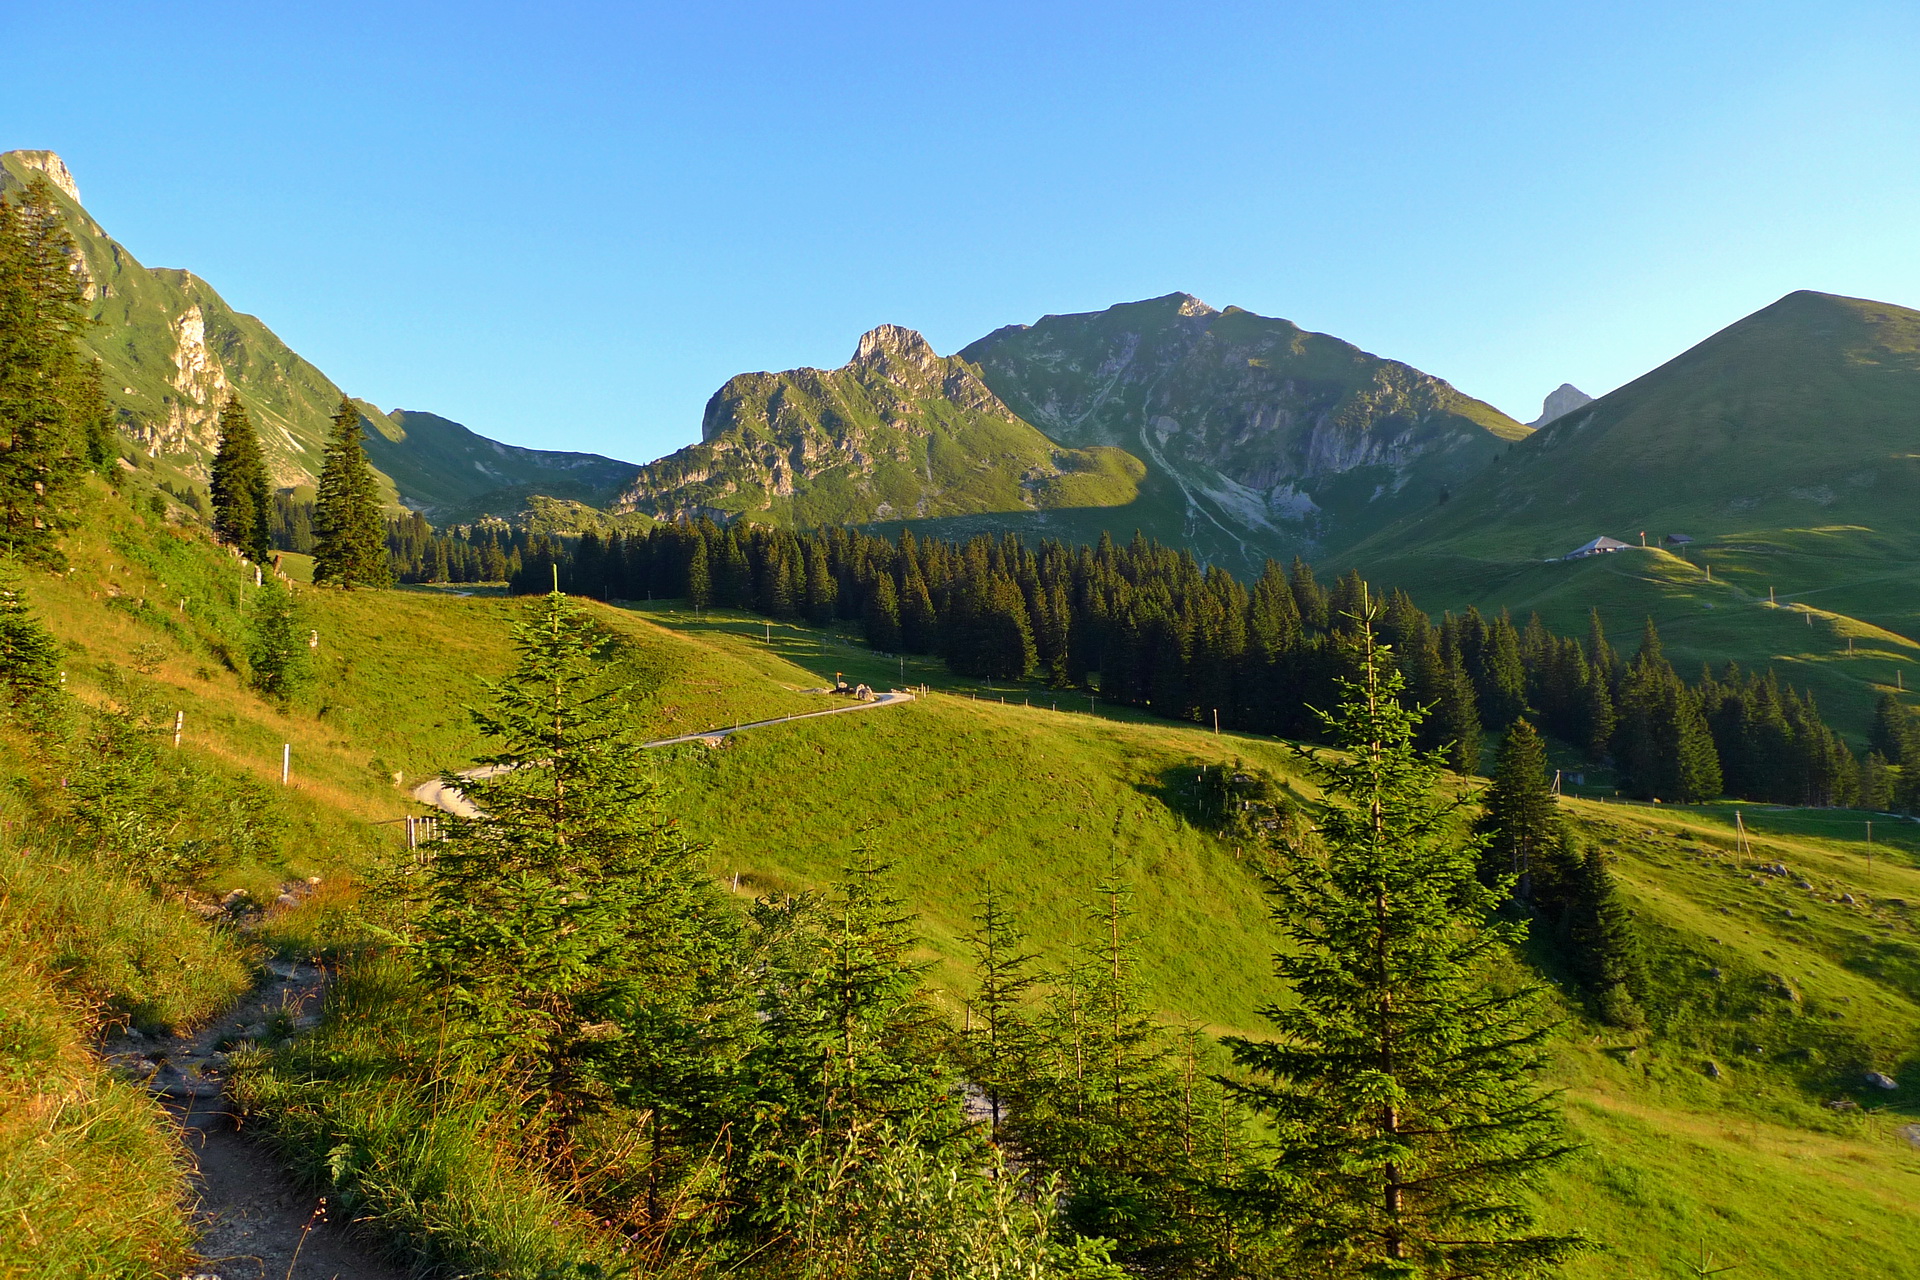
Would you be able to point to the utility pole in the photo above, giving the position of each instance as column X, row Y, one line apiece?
column 1216, row 722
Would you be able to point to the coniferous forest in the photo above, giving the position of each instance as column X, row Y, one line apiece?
column 1147, row 626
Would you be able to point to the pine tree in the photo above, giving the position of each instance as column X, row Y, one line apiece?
column 1457, row 715
column 53, row 415
column 570, row 923
column 699, row 579
column 1400, row 1086
column 242, row 501
column 1895, row 732
column 1601, row 939
column 1519, row 822
column 29, row 655
column 277, row 651
column 349, row 537
column 883, row 615
column 998, row 1040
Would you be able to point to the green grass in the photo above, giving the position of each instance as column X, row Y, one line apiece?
column 1674, row 1159
column 1785, row 445
column 1810, row 989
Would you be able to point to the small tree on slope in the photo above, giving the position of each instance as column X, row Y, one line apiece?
column 570, row 923
column 349, row 537
column 242, row 504
column 1400, row 1086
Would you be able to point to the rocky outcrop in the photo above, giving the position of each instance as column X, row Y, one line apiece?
column 1561, row 401
column 53, row 166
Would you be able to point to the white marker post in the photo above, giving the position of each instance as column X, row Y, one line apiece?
column 179, row 723
column 286, row 761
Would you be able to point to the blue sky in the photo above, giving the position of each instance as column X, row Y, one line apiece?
column 567, row 224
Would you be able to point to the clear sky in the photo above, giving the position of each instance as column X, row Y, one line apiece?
column 567, row 224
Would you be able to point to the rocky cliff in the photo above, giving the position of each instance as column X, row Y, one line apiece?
column 898, row 432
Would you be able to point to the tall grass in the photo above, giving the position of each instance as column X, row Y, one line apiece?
column 410, row 1143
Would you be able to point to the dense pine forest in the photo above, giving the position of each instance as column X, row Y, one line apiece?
column 1147, row 626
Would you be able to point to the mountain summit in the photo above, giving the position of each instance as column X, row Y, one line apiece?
column 1270, row 432
column 1561, row 401
column 898, row 432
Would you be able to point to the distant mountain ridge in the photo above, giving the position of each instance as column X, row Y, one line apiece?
column 172, row 350
column 898, row 432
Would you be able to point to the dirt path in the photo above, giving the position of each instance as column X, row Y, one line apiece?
column 255, row 1224
column 449, row 800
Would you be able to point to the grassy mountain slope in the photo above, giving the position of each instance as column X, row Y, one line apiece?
column 172, row 350
column 1792, row 994
column 896, row 432
column 450, row 473
column 1266, row 433
column 1787, row 445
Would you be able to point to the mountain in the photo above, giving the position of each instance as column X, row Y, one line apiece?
column 172, row 350
column 448, row 472
column 1562, row 400
column 1268, row 433
column 1786, row 448
column 898, row 432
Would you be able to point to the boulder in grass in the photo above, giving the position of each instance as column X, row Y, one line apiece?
column 1881, row 1081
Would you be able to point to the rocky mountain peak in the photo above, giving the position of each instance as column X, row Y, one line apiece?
column 53, row 166
column 1561, row 401
column 893, row 342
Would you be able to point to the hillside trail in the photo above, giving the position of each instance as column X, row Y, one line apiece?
column 255, row 1222
column 438, row 795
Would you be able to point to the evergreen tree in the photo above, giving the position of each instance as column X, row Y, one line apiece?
column 998, row 1040
column 1601, row 939
column 242, row 502
column 570, row 923
column 883, row 615
column 277, row 651
column 349, row 537
column 1401, row 1084
column 1519, row 822
column 53, row 415
column 1457, row 715
column 29, row 655
column 1895, row 732
column 699, row 579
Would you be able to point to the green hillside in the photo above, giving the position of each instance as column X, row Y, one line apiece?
column 1791, row 993
column 450, row 473
column 1787, row 447
column 897, row 432
column 1787, row 988
column 1267, row 438
column 171, row 351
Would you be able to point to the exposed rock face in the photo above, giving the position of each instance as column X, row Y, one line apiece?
column 1561, row 401
column 1262, row 424
column 54, row 167
column 199, row 379
column 898, row 431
